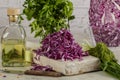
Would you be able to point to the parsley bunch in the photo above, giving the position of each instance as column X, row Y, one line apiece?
column 48, row 16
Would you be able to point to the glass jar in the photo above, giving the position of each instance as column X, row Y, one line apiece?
column 13, row 41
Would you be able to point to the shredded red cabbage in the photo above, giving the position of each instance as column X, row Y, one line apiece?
column 104, row 16
column 43, row 68
column 60, row 45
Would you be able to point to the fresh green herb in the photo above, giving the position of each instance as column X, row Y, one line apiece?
column 48, row 16
column 108, row 61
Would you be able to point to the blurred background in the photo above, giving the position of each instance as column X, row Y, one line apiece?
column 77, row 25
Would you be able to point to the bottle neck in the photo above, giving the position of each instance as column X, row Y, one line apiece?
column 13, row 19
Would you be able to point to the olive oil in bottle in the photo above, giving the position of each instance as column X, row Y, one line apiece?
column 13, row 41
column 13, row 53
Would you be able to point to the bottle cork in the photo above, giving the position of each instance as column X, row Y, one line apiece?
column 13, row 11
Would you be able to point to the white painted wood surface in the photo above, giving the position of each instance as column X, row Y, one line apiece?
column 89, row 76
column 81, row 8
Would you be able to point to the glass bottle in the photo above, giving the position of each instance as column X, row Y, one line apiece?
column 13, row 41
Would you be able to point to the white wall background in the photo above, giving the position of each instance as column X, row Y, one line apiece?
column 81, row 8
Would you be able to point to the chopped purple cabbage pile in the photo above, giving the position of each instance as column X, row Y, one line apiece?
column 60, row 46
